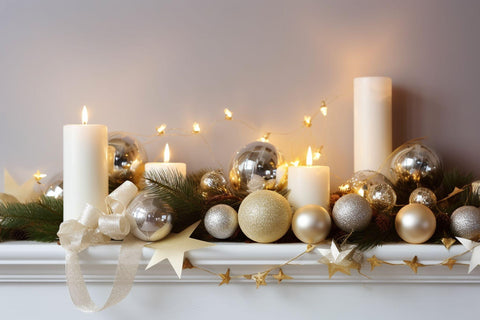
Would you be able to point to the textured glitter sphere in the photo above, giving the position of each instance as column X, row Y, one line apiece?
column 362, row 180
column 382, row 197
column 221, row 221
column 264, row 216
column 414, row 165
column 415, row 223
column 150, row 218
column 352, row 213
column 423, row 196
column 254, row 167
column 311, row 223
column 213, row 183
column 465, row 222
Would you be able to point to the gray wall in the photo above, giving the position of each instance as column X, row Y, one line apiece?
column 137, row 64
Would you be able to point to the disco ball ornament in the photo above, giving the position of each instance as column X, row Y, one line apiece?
column 126, row 158
column 415, row 223
column 213, row 183
column 352, row 213
column 465, row 222
column 382, row 197
column 150, row 218
column 254, row 167
column 414, row 165
column 311, row 223
column 54, row 188
column 221, row 221
column 362, row 180
column 423, row 196
column 264, row 216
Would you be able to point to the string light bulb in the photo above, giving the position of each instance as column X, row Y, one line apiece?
column 39, row 176
column 196, row 128
column 318, row 153
column 228, row 114
column 323, row 108
column 84, row 115
column 307, row 121
column 161, row 129
column 265, row 137
column 295, row 163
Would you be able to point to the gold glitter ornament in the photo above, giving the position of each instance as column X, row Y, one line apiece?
column 382, row 197
column 423, row 196
column 311, row 223
column 352, row 213
column 264, row 216
column 415, row 223
column 213, row 183
column 465, row 222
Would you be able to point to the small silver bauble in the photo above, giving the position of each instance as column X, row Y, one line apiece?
column 126, row 158
column 465, row 222
column 212, row 183
column 382, row 197
column 415, row 223
column 311, row 223
column 423, row 196
column 362, row 180
column 254, row 167
column 150, row 218
column 414, row 165
column 54, row 187
column 221, row 221
column 352, row 213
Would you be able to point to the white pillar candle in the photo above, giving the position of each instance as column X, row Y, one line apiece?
column 166, row 164
column 85, row 169
column 372, row 134
column 309, row 184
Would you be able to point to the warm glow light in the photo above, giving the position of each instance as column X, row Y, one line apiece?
column 307, row 121
column 265, row 137
column 323, row 108
column 318, row 153
column 39, row 176
column 161, row 129
column 196, row 128
column 166, row 154
column 309, row 156
column 228, row 114
column 295, row 163
column 84, row 115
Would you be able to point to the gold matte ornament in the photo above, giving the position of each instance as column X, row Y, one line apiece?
column 415, row 223
column 311, row 223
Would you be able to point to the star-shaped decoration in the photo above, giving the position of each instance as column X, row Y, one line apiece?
column 448, row 242
column 39, row 176
column 338, row 261
column 173, row 248
column 260, row 278
column 414, row 264
column 23, row 193
column 187, row 264
column 225, row 277
column 374, row 262
column 281, row 276
column 474, row 247
column 449, row 263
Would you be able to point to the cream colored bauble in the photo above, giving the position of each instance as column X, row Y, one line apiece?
column 264, row 216
column 415, row 223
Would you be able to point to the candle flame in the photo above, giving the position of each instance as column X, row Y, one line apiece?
column 84, row 115
column 161, row 129
column 166, row 154
column 228, row 114
column 323, row 108
column 309, row 156
column 307, row 121
column 196, row 128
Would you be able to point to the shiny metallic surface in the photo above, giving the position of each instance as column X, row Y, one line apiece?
column 213, row 183
column 150, row 218
column 126, row 157
column 254, row 167
column 382, row 197
column 414, row 165
column 221, row 221
column 465, row 222
column 311, row 223
column 264, row 216
column 423, row 196
column 362, row 180
column 415, row 223
column 352, row 213
column 54, row 188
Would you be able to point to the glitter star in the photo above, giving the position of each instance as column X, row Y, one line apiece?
column 225, row 277
column 374, row 262
column 339, row 260
column 281, row 276
column 449, row 263
column 448, row 242
column 260, row 278
column 414, row 264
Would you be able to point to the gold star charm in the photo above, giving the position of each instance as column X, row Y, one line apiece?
column 449, row 263
column 23, row 193
column 174, row 247
column 374, row 262
column 187, row 264
column 225, row 277
column 414, row 264
column 281, row 276
column 334, row 268
column 260, row 278
column 339, row 260
column 448, row 242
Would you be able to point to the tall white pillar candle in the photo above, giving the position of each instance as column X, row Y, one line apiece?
column 180, row 167
column 85, row 169
column 372, row 113
column 309, row 184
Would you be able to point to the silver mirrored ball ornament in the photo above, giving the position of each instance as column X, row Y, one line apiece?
column 221, row 221
column 382, row 197
column 54, row 188
column 213, row 183
column 352, row 213
column 465, row 222
column 150, row 218
column 362, row 180
column 423, row 196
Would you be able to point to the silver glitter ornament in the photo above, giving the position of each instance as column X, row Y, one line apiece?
column 213, row 183
column 415, row 223
column 362, row 180
column 221, row 221
column 150, row 218
column 414, row 165
column 423, row 196
column 311, row 223
column 254, row 167
column 465, row 222
column 126, row 158
column 382, row 197
column 352, row 213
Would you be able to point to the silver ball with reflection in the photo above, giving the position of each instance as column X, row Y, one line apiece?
column 150, row 218
column 54, row 188
column 465, row 222
column 221, row 221
column 213, row 183
column 311, row 223
column 382, row 197
column 352, row 213
column 126, row 158
column 254, row 167
column 423, row 196
column 362, row 180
